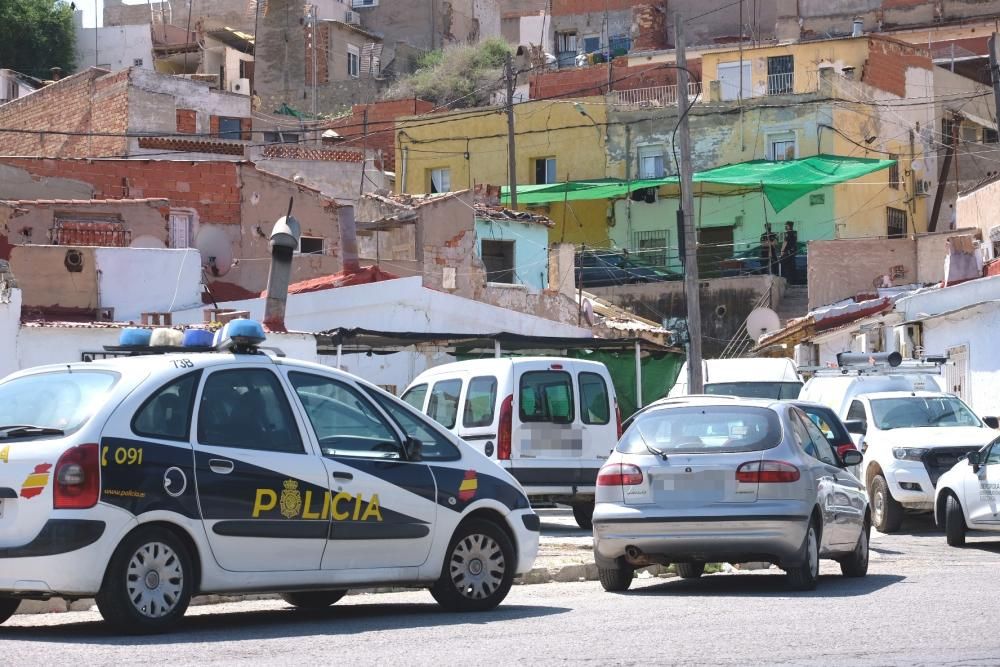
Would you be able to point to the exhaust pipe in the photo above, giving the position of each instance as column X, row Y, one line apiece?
column 635, row 556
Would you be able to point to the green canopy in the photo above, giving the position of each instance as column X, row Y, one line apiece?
column 782, row 182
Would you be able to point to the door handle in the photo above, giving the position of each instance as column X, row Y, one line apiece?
column 220, row 466
column 346, row 476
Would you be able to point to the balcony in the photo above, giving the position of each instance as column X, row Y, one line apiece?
column 656, row 96
column 781, row 84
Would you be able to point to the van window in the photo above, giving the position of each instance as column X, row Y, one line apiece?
column 546, row 396
column 480, row 402
column 594, row 405
column 443, row 404
column 415, row 396
column 775, row 390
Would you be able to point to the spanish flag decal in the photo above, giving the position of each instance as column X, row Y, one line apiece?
column 36, row 481
column 467, row 489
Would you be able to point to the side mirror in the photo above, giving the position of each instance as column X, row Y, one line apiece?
column 856, row 426
column 974, row 459
column 851, row 457
column 992, row 422
column 414, row 449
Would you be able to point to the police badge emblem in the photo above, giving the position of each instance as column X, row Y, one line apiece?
column 291, row 499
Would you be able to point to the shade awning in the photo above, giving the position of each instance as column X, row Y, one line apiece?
column 782, row 182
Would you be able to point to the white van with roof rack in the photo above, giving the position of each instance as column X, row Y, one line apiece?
column 746, row 377
column 551, row 422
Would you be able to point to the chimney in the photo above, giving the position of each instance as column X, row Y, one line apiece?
column 284, row 242
column 56, row 73
column 859, row 27
column 348, row 239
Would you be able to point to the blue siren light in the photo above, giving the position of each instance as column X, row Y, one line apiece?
column 198, row 338
column 134, row 337
column 241, row 333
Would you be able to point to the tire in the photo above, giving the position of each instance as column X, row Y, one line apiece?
column 616, row 579
column 954, row 522
column 478, row 570
column 887, row 513
column 313, row 599
column 805, row 576
column 7, row 608
column 148, row 584
column 856, row 565
column 690, row 570
column 584, row 515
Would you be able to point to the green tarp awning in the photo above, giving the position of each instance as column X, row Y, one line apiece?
column 782, row 182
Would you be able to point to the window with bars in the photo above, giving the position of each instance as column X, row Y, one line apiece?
column 651, row 247
column 989, row 136
column 895, row 223
column 894, row 172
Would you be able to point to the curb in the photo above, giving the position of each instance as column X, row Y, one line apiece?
column 539, row 575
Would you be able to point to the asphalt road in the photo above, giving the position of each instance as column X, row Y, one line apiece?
column 922, row 603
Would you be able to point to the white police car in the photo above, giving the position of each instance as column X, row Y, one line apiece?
column 147, row 479
column 968, row 495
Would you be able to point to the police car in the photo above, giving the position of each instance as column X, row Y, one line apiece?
column 146, row 479
column 967, row 497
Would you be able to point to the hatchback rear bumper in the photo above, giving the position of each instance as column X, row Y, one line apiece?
column 772, row 538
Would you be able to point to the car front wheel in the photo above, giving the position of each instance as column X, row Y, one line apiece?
column 147, row 586
column 313, row 599
column 7, row 608
column 886, row 510
column 954, row 522
column 478, row 570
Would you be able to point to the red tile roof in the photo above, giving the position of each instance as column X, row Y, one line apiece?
column 367, row 275
column 192, row 145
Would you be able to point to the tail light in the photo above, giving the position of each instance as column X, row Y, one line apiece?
column 766, row 472
column 618, row 419
column 506, row 425
column 619, row 474
column 77, row 483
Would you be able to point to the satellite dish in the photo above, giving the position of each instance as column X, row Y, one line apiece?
column 588, row 312
column 216, row 250
column 761, row 321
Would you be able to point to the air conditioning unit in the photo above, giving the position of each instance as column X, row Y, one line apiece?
column 923, row 188
column 241, row 86
column 352, row 17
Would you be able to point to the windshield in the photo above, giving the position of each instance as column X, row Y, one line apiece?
column 63, row 400
column 921, row 412
column 702, row 430
column 775, row 390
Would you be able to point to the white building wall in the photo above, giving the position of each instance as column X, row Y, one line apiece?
column 10, row 320
column 117, row 47
column 138, row 280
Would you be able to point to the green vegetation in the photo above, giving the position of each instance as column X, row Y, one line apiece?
column 460, row 76
column 37, row 35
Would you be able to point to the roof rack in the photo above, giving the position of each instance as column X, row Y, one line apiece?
column 853, row 364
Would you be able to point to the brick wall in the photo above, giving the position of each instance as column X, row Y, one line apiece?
column 583, row 81
column 381, row 126
column 211, row 188
column 87, row 105
column 187, row 121
column 651, row 27
column 322, row 53
column 888, row 61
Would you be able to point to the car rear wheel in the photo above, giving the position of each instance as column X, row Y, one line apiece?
column 690, row 570
column 478, row 570
column 887, row 513
column 856, row 565
column 616, row 579
column 954, row 522
column 804, row 577
column 584, row 515
column 313, row 599
column 7, row 608
column 147, row 586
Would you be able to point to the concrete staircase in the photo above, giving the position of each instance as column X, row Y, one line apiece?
column 795, row 303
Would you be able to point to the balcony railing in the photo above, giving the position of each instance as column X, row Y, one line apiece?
column 655, row 96
column 781, row 84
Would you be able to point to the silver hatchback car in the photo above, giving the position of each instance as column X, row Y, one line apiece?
column 717, row 479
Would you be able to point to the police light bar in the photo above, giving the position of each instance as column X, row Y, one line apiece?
column 240, row 336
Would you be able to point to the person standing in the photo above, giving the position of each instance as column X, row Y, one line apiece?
column 769, row 249
column 789, row 248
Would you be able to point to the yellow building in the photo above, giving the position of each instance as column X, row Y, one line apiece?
column 555, row 141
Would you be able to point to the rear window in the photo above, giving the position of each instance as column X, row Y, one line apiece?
column 703, row 429
column 594, row 405
column 546, row 396
column 64, row 400
column 415, row 396
column 480, row 402
column 775, row 390
column 443, row 404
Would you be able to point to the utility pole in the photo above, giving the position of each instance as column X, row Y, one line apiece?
column 690, row 248
column 508, row 68
column 995, row 70
column 315, row 46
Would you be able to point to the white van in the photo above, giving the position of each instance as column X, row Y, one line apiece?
column 838, row 391
column 551, row 422
column 746, row 377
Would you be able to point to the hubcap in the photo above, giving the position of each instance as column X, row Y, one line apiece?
column 154, row 580
column 813, row 554
column 477, row 566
